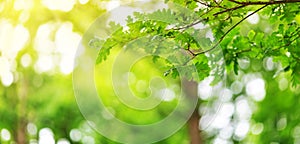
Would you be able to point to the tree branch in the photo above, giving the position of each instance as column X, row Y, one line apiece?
column 264, row 2
column 244, row 4
column 221, row 39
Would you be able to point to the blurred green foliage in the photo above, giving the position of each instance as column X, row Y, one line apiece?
column 267, row 50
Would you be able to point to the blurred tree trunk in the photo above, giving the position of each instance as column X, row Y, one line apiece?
column 22, row 92
column 190, row 88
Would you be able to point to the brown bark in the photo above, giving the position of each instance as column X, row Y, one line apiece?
column 21, row 132
column 190, row 88
column 193, row 125
column 22, row 121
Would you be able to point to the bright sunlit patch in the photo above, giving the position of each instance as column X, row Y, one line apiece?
column 5, row 135
column 243, row 109
column 44, row 63
column 1, row 6
column 220, row 121
column 281, row 123
column 167, row 94
column 63, row 5
column 204, row 89
column 226, row 110
column 225, row 95
column 46, row 136
column 256, row 89
column 66, row 42
column 236, row 87
column 75, row 135
column 12, row 39
column 254, row 19
column 26, row 60
column 226, row 132
column 242, row 129
column 200, row 6
column 58, row 52
column 31, row 129
column 296, row 132
column 269, row 64
column 4, row 65
column 23, row 4
column 43, row 44
column 200, row 26
column 88, row 140
column 112, row 4
column 33, row 141
column 63, row 141
column 210, row 35
column 283, row 84
column 7, row 79
column 83, row 1
column 220, row 141
column 257, row 128
column 20, row 38
column 6, row 29
column 244, row 63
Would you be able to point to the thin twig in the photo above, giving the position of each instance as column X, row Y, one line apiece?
column 189, row 25
column 230, row 9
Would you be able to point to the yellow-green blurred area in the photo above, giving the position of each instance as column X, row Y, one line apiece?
column 38, row 42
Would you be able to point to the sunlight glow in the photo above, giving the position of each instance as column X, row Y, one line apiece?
column 204, row 89
column 26, row 60
column 244, row 63
column 66, row 44
column 46, row 136
column 44, row 64
column 254, row 19
column 226, row 132
column 283, row 84
column 243, row 109
column 226, row 110
column 5, row 135
column 88, row 140
column 7, row 78
column 63, row 5
column 58, row 52
column 83, row 1
column 269, row 64
column 4, row 65
column 242, row 129
column 12, row 39
column 256, row 89
column 75, row 135
column 32, row 129
column 281, row 123
column 296, row 132
column 236, row 87
column 112, row 4
column 221, row 141
column 167, row 94
column 225, row 95
column 23, row 4
column 257, row 128
column 220, row 121
column 63, row 141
